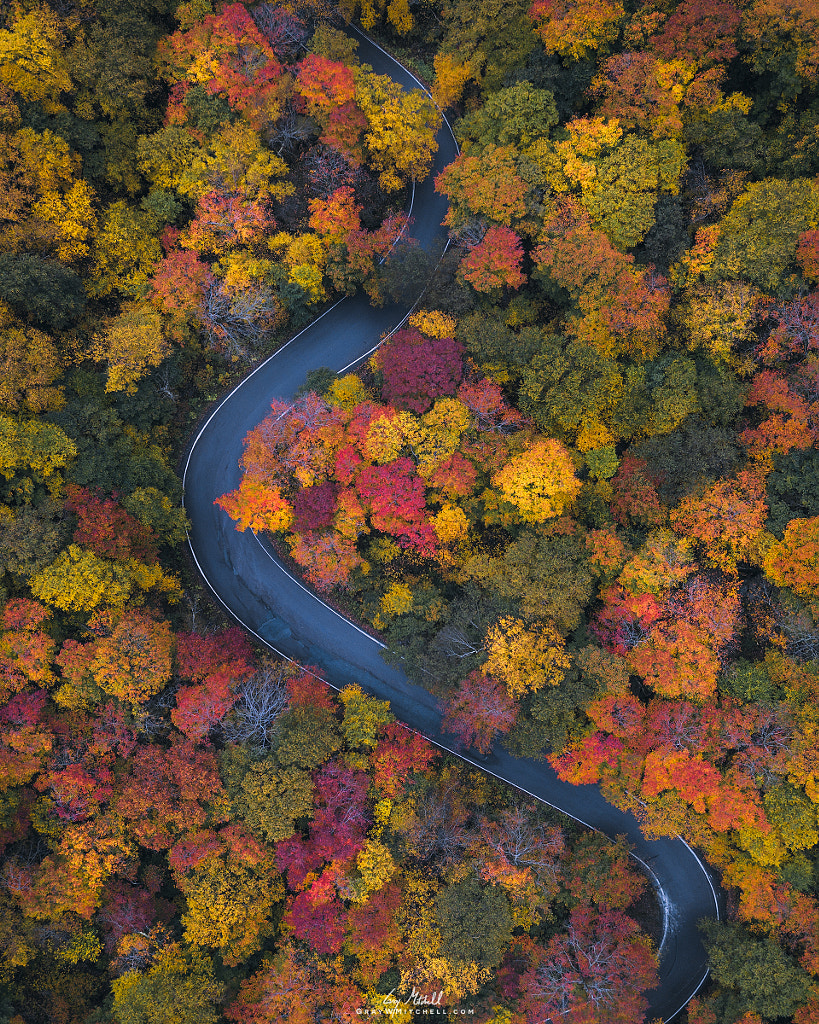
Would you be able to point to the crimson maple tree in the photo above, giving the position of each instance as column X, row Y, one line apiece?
column 494, row 263
column 478, row 711
column 417, row 370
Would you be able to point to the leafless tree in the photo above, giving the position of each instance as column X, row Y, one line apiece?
column 237, row 324
column 522, row 840
column 778, row 611
column 193, row 599
column 285, row 31
column 262, row 699
column 469, row 234
column 290, row 131
column 455, row 642
column 441, row 829
column 633, row 633
column 706, row 198
column 802, row 634
column 162, row 384
column 683, row 727
column 327, row 170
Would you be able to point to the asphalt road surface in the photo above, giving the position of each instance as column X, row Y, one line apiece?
column 282, row 613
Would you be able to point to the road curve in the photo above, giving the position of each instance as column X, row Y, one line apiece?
column 284, row 615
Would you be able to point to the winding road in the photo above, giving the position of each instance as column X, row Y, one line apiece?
column 284, row 615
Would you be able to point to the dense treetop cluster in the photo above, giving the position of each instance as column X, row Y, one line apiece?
column 578, row 495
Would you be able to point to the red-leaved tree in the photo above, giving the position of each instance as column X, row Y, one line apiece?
column 417, row 370
column 478, row 711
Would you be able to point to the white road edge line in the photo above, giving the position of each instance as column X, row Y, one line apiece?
column 312, row 594
column 437, row 743
column 666, row 923
column 463, row 757
column 281, row 654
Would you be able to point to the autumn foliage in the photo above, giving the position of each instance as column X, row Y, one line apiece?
column 330, row 472
column 574, row 494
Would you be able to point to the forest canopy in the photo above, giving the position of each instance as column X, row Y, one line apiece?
column 575, row 494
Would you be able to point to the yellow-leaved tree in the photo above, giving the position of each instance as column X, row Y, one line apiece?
column 433, row 323
column 131, row 343
column 376, row 865
column 178, row 985
column 397, row 12
column 31, row 58
column 78, row 580
column 428, row 966
column 540, row 482
column 794, row 561
column 72, row 215
column 401, row 129
column 229, row 905
column 33, row 449
column 575, row 29
column 451, row 76
column 525, row 658
column 720, row 318
column 29, row 367
column 363, row 717
column 125, row 252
